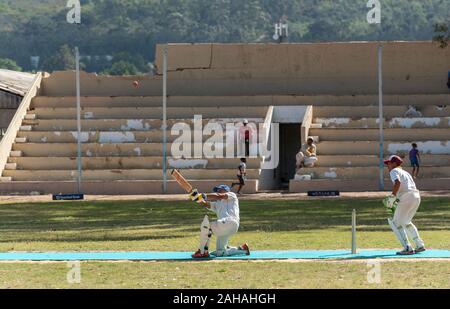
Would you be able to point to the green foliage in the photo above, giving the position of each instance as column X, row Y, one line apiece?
column 9, row 64
column 112, row 27
column 442, row 35
column 122, row 68
column 64, row 59
column 136, row 60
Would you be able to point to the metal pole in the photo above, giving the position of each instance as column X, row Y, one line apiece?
column 380, row 112
column 77, row 60
column 354, row 231
column 164, row 127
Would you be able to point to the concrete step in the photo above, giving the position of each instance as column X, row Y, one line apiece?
column 122, row 124
column 105, row 137
column 14, row 154
column 20, row 139
column 150, row 112
column 156, row 101
column 362, row 185
column 372, row 123
column 389, row 147
column 123, row 187
column 128, row 149
column 108, row 150
column 350, row 134
column 10, row 166
column 253, row 100
column 30, row 116
column 371, row 111
column 369, row 172
column 104, row 163
column 96, row 101
column 122, row 174
column 373, row 160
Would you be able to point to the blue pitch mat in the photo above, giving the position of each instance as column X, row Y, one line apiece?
column 256, row 255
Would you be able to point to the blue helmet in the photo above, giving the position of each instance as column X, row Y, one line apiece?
column 221, row 187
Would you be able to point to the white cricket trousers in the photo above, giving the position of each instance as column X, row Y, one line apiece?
column 405, row 212
column 223, row 229
column 407, row 208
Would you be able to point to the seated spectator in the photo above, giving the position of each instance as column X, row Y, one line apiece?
column 307, row 156
column 412, row 112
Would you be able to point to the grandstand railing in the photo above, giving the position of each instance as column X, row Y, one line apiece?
column 9, row 137
column 306, row 123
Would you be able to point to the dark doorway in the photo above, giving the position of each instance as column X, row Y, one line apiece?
column 290, row 144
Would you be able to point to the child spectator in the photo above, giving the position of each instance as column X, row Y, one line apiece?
column 414, row 158
column 241, row 175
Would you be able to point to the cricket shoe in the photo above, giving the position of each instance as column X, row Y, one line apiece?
column 420, row 249
column 245, row 248
column 407, row 251
column 199, row 255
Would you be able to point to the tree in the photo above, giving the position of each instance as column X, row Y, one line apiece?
column 112, row 27
column 442, row 36
column 121, row 68
column 137, row 60
column 9, row 64
column 64, row 59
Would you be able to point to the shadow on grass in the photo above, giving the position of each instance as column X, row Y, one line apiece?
column 147, row 220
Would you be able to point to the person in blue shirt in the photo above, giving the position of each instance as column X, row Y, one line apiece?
column 448, row 82
column 414, row 158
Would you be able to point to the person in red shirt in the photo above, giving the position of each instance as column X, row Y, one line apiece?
column 247, row 136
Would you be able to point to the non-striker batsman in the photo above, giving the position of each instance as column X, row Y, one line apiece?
column 404, row 202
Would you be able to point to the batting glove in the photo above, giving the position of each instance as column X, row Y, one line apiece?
column 390, row 202
column 196, row 196
column 201, row 198
column 193, row 195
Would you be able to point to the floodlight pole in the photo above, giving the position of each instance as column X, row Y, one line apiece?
column 164, row 126
column 380, row 114
column 79, row 166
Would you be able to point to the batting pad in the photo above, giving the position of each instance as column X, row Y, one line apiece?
column 186, row 256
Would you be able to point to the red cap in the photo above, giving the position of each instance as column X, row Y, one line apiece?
column 394, row 159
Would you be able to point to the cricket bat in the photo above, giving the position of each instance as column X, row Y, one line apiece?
column 181, row 181
column 186, row 185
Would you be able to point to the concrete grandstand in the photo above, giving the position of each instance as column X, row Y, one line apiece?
column 324, row 90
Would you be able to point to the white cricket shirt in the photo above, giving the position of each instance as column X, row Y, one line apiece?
column 227, row 209
column 407, row 183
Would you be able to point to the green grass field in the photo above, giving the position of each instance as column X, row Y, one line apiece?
column 174, row 226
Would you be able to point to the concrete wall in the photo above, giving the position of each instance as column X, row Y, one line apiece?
column 323, row 68
column 62, row 83
column 284, row 69
column 288, row 114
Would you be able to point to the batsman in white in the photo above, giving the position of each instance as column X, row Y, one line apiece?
column 226, row 206
column 403, row 202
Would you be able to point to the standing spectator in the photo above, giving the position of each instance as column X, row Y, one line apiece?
column 307, row 155
column 242, row 172
column 414, row 158
column 246, row 138
column 245, row 135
